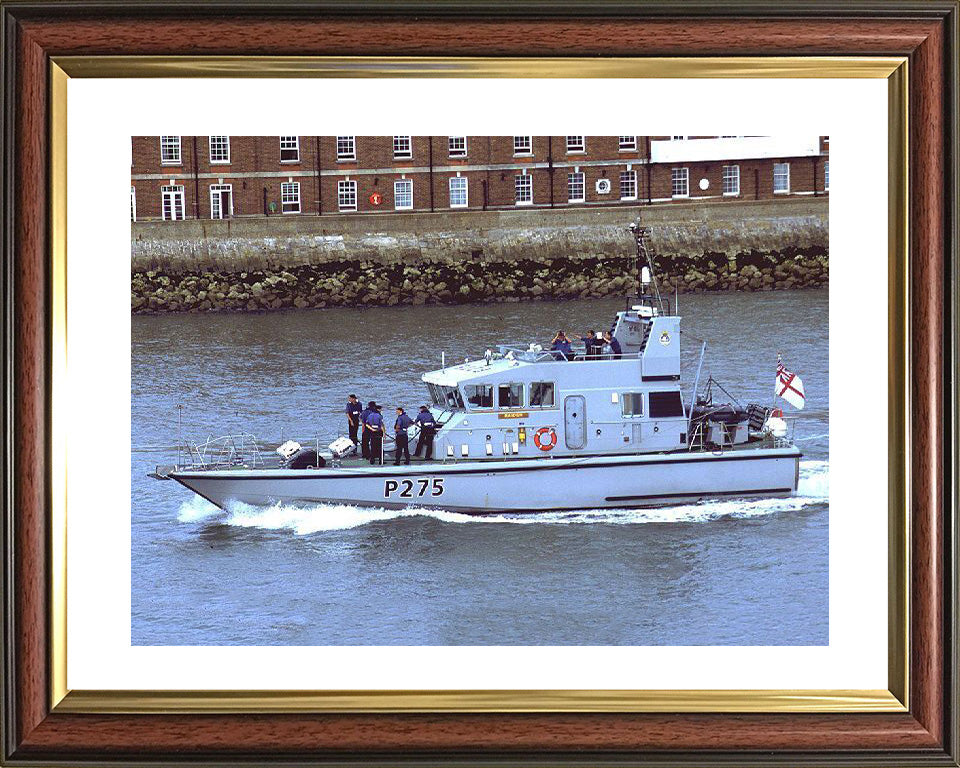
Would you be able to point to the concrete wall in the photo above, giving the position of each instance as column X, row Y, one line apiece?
column 677, row 229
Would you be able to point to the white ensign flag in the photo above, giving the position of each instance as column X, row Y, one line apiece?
column 789, row 386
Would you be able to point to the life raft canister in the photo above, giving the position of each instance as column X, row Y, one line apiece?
column 545, row 445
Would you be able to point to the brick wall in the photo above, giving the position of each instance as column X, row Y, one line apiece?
column 256, row 171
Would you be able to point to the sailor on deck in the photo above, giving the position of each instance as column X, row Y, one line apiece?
column 353, row 411
column 400, row 426
column 592, row 346
column 615, row 352
column 428, row 428
column 366, row 439
column 561, row 347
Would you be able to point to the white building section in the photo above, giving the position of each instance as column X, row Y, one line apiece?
column 733, row 148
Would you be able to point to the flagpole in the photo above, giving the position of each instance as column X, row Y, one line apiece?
column 696, row 386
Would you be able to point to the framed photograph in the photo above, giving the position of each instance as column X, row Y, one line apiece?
column 474, row 448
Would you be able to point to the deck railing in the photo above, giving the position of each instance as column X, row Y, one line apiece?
column 539, row 355
column 225, row 451
column 697, row 439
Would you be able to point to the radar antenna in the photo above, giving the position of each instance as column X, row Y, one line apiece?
column 644, row 259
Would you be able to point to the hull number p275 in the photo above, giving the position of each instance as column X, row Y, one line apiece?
column 412, row 489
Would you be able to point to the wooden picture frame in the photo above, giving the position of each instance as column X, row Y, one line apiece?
column 45, row 41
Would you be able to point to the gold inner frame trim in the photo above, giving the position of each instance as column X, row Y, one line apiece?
column 898, row 383
column 234, row 702
column 430, row 66
column 893, row 69
column 58, row 368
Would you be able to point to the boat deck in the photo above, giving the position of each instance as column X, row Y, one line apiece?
column 359, row 461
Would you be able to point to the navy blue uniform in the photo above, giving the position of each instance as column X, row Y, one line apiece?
column 373, row 426
column 400, row 426
column 562, row 349
column 593, row 347
column 353, row 411
column 616, row 348
column 428, row 428
column 365, row 435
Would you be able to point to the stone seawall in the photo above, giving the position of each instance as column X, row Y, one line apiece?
column 356, row 283
column 265, row 264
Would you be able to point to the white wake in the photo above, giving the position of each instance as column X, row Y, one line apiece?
column 813, row 488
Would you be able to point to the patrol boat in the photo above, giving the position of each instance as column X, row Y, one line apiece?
column 523, row 429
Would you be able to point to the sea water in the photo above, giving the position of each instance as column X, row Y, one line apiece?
column 725, row 572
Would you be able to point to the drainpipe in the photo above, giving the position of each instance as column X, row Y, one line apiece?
column 266, row 211
column 430, row 156
column 649, row 191
column 550, row 168
column 756, row 183
column 196, row 182
column 486, row 183
column 319, row 186
column 816, row 189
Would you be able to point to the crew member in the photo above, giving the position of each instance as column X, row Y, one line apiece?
column 353, row 410
column 428, row 428
column 373, row 426
column 561, row 347
column 365, row 436
column 615, row 349
column 592, row 345
column 400, row 427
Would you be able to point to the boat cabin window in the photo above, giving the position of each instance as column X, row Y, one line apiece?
column 479, row 395
column 452, row 395
column 510, row 395
column 665, row 404
column 445, row 397
column 632, row 403
column 541, row 394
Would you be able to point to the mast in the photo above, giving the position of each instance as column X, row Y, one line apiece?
column 639, row 233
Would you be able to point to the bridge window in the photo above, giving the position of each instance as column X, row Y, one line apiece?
column 479, row 395
column 632, row 403
column 510, row 395
column 541, row 394
column 663, row 405
column 445, row 397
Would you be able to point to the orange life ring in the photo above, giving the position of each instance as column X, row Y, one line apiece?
column 545, row 445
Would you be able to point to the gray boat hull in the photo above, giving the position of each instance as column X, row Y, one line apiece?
column 523, row 485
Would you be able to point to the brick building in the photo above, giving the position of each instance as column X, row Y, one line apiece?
column 201, row 177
